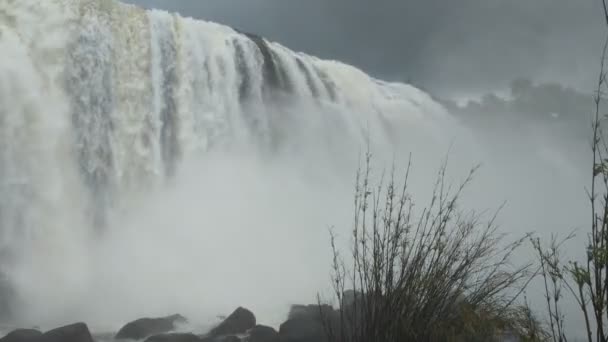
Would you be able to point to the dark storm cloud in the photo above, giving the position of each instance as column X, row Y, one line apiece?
column 441, row 45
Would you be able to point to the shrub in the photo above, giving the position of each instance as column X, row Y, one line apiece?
column 440, row 274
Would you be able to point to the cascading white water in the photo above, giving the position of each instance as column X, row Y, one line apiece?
column 104, row 106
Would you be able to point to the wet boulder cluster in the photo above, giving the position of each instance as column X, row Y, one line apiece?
column 305, row 323
column 78, row 332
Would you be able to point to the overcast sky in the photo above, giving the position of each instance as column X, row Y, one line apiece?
column 443, row 46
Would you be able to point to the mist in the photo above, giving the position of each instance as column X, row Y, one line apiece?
column 234, row 227
column 239, row 214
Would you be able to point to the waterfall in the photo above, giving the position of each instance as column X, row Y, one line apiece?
column 102, row 102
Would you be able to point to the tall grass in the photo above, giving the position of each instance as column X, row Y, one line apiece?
column 436, row 274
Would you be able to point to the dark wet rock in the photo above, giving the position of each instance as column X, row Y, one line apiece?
column 262, row 333
column 307, row 323
column 228, row 338
column 174, row 338
column 238, row 322
column 145, row 327
column 302, row 330
column 231, row 338
column 22, row 335
column 78, row 332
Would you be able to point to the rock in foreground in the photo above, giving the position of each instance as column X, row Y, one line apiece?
column 174, row 338
column 22, row 335
column 261, row 333
column 146, row 327
column 78, row 332
column 302, row 330
column 238, row 322
column 305, row 323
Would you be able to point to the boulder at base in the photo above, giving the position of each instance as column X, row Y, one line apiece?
column 146, row 327
column 78, row 332
column 302, row 330
column 174, row 338
column 262, row 333
column 229, row 338
column 22, row 335
column 238, row 322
